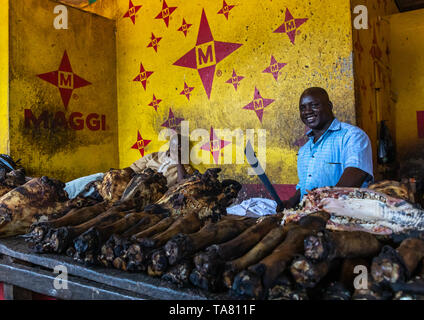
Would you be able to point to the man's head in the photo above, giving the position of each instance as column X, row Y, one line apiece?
column 316, row 109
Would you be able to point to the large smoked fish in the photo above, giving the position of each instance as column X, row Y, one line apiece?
column 357, row 209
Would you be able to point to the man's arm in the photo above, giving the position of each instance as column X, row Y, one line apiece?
column 352, row 178
column 357, row 160
column 182, row 173
column 141, row 164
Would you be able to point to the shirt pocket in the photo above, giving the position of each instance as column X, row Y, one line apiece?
column 332, row 171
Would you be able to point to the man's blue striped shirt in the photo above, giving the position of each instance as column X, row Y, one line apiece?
column 322, row 163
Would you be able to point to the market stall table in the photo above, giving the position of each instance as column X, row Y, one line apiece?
column 20, row 267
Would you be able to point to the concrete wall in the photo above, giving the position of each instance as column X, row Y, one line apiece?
column 407, row 46
column 55, row 137
column 321, row 55
column 4, row 77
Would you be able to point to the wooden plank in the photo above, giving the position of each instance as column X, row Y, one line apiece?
column 42, row 281
column 11, row 292
column 139, row 283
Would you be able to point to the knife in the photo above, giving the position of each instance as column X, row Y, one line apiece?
column 254, row 163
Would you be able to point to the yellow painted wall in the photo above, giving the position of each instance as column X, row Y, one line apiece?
column 407, row 47
column 321, row 56
column 36, row 47
column 4, row 77
column 373, row 70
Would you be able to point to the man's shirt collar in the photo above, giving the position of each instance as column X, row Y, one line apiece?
column 335, row 126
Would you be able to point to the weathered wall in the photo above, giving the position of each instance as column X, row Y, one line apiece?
column 407, row 47
column 373, row 70
column 105, row 8
column 54, row 136
column 4, row 77
column 320, row 55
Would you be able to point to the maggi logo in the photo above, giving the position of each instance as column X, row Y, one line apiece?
column 225, row 9
column 171, row 123
column 290, row 26
column 143, row 76
column 258, row 104
column 274, row 67
column 132, row 11
column 140, row 144
column 165, row 13
column 205, row 59
column 235, row 79
column 215, row 145
column 66, row 80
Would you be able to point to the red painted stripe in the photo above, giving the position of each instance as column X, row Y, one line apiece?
column 284, row 191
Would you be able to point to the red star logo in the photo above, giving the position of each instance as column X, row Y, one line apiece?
column 184, row 27
column 225, row 9
column 65, row 79
column 274, row 68
column 187, row 90
column 206, row 54
column 214, row 145
column 141, row 144
column 172, row 122
column 143, row 76
column 290, row 26
column 235, row 80
column 258, row 104
column 132, row 11
column 166, row 12
column 154, row 43
column 155, row 103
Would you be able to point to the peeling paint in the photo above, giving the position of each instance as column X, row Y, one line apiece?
column 407, row 45
column 371, row 109
column 4, row 77
column 321, row 56
column 36, row 48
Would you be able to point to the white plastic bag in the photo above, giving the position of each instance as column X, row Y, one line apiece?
column 254, row 207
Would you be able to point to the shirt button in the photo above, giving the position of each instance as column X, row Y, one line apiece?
column 310, row 175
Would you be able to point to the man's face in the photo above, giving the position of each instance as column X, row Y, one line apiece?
column 315, row 110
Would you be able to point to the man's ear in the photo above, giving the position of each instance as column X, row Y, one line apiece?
column 330, row 104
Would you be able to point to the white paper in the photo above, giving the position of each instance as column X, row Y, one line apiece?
column 254, row 207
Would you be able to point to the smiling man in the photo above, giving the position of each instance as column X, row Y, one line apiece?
column 337, row 153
